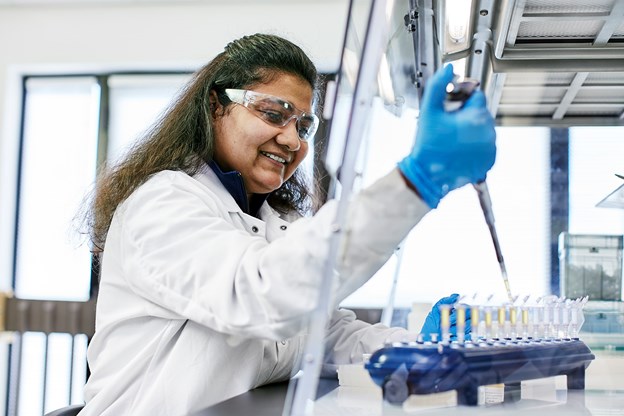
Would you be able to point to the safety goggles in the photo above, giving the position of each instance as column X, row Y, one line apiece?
column 275, row 111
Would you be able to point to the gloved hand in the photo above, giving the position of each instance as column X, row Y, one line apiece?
column 451, row 149
column 432, row 321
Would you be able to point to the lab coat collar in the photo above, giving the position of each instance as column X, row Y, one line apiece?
column 233, row 183
column 269, row 223
column 210, row 179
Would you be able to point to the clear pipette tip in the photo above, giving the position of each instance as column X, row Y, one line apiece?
column 508, row 289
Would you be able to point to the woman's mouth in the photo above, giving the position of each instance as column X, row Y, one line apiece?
column 274, row 157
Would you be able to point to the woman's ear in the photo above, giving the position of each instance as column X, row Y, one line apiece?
column 215, row 105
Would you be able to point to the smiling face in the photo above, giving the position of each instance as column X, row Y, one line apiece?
column 264, row 154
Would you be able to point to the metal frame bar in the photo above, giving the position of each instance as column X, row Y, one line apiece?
column 611, row 24
column 44, row 385
column 426, row 50
column 303, row 391
column 14, row 375
column 573, row 89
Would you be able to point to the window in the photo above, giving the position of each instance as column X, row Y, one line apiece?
column 451, row 249
column 595, row 158
column 136, row 101
column 60, row 128
column 59, row 153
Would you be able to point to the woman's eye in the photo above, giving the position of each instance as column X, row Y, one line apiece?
column 273, row 116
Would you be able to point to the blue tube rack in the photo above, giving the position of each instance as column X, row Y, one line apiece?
column 402, row 369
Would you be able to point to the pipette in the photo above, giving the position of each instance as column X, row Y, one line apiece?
column 486, row 206
column 455, row 99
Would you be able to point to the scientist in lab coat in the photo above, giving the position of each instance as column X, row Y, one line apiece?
column 209, row 264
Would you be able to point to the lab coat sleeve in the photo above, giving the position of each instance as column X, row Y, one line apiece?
column 348, row 338
column 379, row 218
column 183, row 254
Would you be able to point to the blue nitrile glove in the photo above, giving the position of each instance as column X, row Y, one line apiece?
column 451, row 149
column 432, row 321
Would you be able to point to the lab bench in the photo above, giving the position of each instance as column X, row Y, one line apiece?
column 603, row 394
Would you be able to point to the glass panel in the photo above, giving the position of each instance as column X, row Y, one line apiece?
column 595, row 158
column 79, row 375
column 591, row 253
column 58, row 167
column 136, row 101
column 57, row 372
column 519, row 186
column 30, row 400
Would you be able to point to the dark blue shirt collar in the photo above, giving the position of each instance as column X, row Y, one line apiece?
column 233, row 182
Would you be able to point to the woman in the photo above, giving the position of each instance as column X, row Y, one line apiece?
column 206, row 277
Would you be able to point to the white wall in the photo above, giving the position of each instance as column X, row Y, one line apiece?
column 57, row 37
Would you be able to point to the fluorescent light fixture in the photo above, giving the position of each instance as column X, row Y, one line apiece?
column 458, row 19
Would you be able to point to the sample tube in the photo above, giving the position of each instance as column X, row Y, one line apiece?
column 556, row 320
column 513, row 333
column 502, row 333
column 474, row 323
column 535, row 321
column 461, row 322
column 546, row 320
column 576, row 313
column 525, row 322
column 445, row 323
column 488, row 323
column 538, row 318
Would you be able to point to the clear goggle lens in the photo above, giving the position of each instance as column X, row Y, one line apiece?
column 275, row 111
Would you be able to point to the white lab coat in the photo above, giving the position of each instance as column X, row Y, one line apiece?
column 200, row 302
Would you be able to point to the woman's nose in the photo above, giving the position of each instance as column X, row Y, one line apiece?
column 289, row 137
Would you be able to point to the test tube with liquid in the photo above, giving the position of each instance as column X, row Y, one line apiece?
column 513, row 322
column 488, row 322
column 460, row 322
column 445, row 323
column 525, row 322
column 501, row 332
column 474, row 323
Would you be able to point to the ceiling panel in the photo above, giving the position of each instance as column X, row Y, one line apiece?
column 557, row 62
